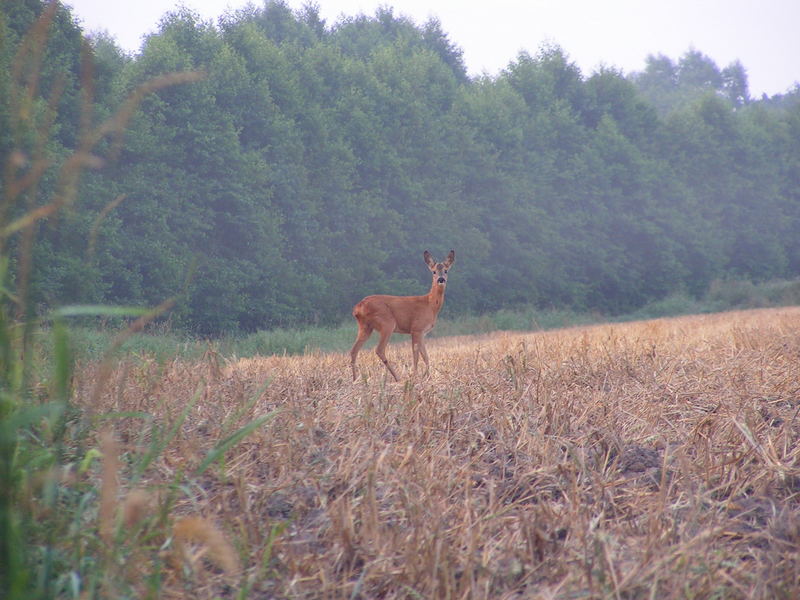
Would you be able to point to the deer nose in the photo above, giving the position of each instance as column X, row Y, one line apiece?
column 442, row 280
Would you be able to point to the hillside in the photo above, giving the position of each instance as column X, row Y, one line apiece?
column 648, row 459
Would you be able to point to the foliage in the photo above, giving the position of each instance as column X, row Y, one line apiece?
column 315, row 162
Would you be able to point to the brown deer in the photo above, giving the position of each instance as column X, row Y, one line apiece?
column 414, row 315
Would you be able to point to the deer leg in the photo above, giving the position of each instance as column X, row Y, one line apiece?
column 364, row 331
column 424, row 353
column 417, row 347
column 385, row 333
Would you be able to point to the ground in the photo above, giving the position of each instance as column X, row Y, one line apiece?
column 649, row 459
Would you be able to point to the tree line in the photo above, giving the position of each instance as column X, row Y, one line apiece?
column 313, row 163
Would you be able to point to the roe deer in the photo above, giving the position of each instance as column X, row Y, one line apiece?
column 414, row 315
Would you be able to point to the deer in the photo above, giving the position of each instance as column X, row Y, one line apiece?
column 414, row 315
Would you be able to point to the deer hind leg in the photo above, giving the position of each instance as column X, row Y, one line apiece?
column 385, row 331
column 364, row 331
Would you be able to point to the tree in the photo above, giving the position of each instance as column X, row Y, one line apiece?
column 658, row 83
column 546, row 78
column 735, row 85
column 696, row 70
column 437, row 40
column 608, row 93
column 312, row 164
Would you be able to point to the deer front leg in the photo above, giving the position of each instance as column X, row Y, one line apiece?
column 424, row 353
column 416, row 345
column 417, row 348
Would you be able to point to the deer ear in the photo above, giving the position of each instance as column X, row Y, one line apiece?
column 451, row 258
column 429, row 259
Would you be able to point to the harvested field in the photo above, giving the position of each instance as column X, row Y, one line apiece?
column 654, row 459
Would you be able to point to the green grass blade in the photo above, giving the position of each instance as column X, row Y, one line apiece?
column 223, row 446
column 247, row 406
column 99, row 310
column 158, row 444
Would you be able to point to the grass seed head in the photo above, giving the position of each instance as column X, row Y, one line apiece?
column 189, row 531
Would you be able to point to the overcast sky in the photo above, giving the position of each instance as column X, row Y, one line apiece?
column 763, row 34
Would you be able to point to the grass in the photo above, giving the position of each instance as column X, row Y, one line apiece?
column 92, row 343
column 59, row 528
column 636, row 460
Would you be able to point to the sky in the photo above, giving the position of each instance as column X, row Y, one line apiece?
column 761, row 34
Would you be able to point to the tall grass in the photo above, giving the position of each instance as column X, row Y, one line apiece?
column 77, row 519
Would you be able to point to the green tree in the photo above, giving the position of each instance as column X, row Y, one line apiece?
column 735, row 84
column 314, row 162
column 658, row 83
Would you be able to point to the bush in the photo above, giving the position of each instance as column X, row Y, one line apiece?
column 724, row 294
column 676, row 304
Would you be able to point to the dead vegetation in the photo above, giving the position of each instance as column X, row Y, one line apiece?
column 655, row 459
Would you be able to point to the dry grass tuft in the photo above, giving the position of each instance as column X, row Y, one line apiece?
column 200, row 533
column 656, row 459
column 136, row 507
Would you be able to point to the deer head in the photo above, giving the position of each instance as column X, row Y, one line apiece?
column 439, row 270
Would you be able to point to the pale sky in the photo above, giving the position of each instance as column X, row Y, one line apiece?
column 762, row 34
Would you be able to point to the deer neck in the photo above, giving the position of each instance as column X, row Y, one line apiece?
column 436, row 297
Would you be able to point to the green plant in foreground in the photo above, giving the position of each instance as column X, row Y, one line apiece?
column 67, row 526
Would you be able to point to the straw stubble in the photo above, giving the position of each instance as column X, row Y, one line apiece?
column 648, row 459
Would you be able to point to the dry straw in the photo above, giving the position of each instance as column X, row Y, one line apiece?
column 656, row 459
column 197, row 531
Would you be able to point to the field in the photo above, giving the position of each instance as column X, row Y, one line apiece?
column 654, row 459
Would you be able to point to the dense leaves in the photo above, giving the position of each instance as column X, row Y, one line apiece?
column 315, row 162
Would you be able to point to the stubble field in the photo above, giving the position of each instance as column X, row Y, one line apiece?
column 655, row 459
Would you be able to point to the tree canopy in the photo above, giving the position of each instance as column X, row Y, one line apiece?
column 314, row 163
